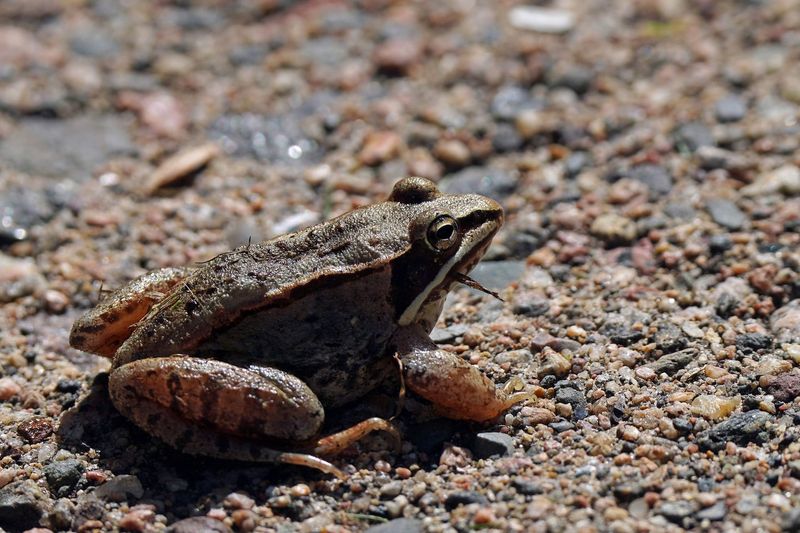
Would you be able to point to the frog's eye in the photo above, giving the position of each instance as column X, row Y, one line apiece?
column 442, row 232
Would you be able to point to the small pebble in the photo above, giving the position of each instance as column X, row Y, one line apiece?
column 8, row 389
column 300, row 490
column 452, row 152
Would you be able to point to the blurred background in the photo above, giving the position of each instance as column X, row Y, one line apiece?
column 646, row 153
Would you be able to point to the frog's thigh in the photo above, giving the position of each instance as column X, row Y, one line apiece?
column 103, row 329
column 457, row 389
column 250, row 403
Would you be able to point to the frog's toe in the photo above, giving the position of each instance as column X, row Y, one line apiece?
column 338, row 442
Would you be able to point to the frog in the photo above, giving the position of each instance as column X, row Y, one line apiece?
column 240, row 357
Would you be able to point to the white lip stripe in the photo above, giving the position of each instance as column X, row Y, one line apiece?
column 411, row 311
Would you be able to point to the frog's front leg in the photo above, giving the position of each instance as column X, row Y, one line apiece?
column 456, row 388
column 208, row 407
column 103, row 329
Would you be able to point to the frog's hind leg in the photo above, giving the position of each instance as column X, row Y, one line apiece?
column 103, row 329
column 209, row 407
column 456, row 388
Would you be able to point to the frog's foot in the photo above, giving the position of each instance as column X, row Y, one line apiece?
column 456, row 388
column 103, row 329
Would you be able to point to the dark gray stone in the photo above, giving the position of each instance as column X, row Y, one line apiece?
column 656, row 177
column 527, row 487
column 693, row 135
column 463, row 497
column 669, row 337
column 70, row 148
column 506, row 139
column 561, row 426
column 719, row 244
column 673, row 362
column 95, row 44
column 676, row 512
column 548, row 381
column 398, row 525
column 680, row 211
column 533, row 307
column 628, row 490
column 492, row 443
column 751, row 342
column 195, row 18
column 791, row 520
column 252, row 54
column 730, row 108
column 740, row 428
column 510, row 100
column 65, row 474
column 683, row 425
column 497, row 274
column 577, row 161
column 577, row 78
column 448, row 334
column 620, row 332
column 726, row 213
column 429, row 436
column 22, row 505
column 491, row 182
column 22, row 208
column 575, row 398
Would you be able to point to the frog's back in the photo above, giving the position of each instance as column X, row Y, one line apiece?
column 264, row 288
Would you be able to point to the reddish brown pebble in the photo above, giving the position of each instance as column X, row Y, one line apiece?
column 35, row 430
column 8, row 389
column 379, row 147
column 244, row 519
column 137, row 520
column 452, row 152
column 96, row 477
column 484, row 515
column 403, row 473
column 397, row 56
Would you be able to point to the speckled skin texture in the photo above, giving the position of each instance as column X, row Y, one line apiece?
column 254, row 344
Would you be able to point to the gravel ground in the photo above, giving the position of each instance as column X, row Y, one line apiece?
column 647, row 154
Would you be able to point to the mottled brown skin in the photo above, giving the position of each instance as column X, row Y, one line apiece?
column 239, row 358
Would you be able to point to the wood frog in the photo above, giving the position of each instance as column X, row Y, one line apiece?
column 239, row 357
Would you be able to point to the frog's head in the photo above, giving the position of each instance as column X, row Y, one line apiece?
column 448, row 235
